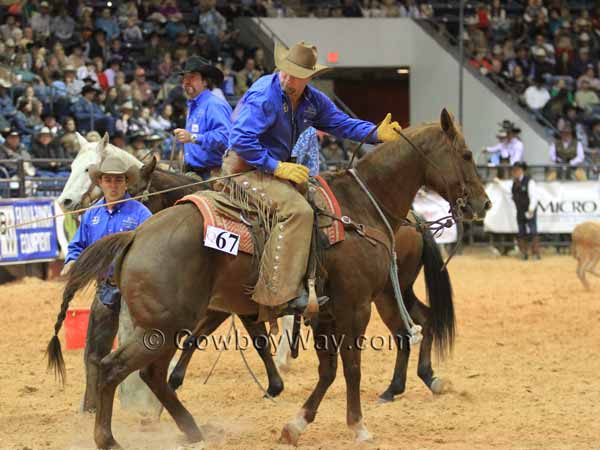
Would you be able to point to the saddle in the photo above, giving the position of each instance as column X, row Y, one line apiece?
column 219, row 211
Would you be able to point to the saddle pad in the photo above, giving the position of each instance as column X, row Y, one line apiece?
column 324, row 198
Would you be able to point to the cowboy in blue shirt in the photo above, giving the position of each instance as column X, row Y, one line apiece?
column 208, row 123
column 112, row 176
column 266, row 124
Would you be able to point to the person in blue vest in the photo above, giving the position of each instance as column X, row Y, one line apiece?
column 206, row 133
column 112, row 176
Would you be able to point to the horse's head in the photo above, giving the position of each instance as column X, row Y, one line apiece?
column 79, row 192
column 452, row 173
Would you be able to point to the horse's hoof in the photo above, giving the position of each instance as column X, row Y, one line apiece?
column 290, row 435
column 361, row 432
column 383, row 399
column 440, row 386
column 108, row 444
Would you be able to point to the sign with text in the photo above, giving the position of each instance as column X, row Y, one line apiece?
column 33, row 241
column 560, row 206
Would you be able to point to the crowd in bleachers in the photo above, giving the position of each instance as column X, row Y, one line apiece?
column 545, row 54
column 82, row 66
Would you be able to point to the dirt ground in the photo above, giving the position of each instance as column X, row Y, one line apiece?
column 523, row 373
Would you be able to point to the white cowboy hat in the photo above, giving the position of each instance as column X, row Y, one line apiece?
column 300, row 61
column 114, row 166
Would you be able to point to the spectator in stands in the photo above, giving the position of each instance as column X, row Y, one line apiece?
column 99, row 46
column 213, row 24
column 541, row 66
column 246, row 77
column 73, row 85
column 45, row 146
column 569, row 151
column 536, row 96
column 68, row 138
column 541, row 44
column 592, row 154
column 40, row 22
column 165, row 68
column 50, row 122
column 162, row 122
column 137, row 145
column 475, row 37
column 13, row 149
column 108, row 24
column 522, row 59
column 586, row 98
column 114, row 66
column 351, row 9
column 142, row 85
column 7, row 108
column 259, row 60
column 125, row 121
column 574, row 114
column 582, row 61
column 132, row 33
column 63, row 27
column 89, row 115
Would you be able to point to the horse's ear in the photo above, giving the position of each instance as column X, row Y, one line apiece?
column 447, row 123
column 147, row 169
column 81, row 140
column 103, row 146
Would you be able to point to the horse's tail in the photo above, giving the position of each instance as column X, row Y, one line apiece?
column 93, row 263
column 439, row 291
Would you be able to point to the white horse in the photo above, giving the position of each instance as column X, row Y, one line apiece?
column 79, row 191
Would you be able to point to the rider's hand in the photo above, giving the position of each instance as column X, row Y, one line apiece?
column 387, row 130
column 183, row 136
column 67, row 268
column 291, row 171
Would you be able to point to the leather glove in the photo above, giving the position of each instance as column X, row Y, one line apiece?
column 291, row 171
column 67, row 268
column 386, row 131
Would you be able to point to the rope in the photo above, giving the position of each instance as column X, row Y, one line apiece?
column 210, row 372
column 116, row 202
column 250, row 371
column 413, row 330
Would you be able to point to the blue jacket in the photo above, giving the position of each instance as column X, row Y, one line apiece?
column 209, row 119
column 99, row 222
column 265, row 130
column 83, row 109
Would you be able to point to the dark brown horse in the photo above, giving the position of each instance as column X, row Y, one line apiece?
column 168, row 277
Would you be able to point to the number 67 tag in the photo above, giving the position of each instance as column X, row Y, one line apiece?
column 222, row 240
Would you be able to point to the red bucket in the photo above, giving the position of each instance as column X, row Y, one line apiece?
column 76, row 324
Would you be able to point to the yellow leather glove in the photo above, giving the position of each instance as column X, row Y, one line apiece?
column 385, row 131
column 291, row 171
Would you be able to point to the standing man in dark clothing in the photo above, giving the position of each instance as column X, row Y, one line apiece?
column 525, row 197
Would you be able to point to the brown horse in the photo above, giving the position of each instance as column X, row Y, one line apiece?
column 415, row 248
column 168, row 277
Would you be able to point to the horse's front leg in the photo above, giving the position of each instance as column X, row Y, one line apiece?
column 324, row 333
column 351, row 325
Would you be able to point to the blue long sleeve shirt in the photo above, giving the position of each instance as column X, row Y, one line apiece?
column 265, row 129
column 99, row 222
column 209, row 120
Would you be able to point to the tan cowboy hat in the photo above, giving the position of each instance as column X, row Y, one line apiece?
column 300, row 61
column 114, row 166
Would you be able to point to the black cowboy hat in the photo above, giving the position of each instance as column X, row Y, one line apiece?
column 508, row 126
column 204, row 68
column 89, row 88
column 521, row 164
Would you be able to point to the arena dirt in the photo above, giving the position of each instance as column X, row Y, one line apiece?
column 524, row 375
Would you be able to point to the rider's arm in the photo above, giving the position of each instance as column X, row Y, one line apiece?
column 253, row 118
